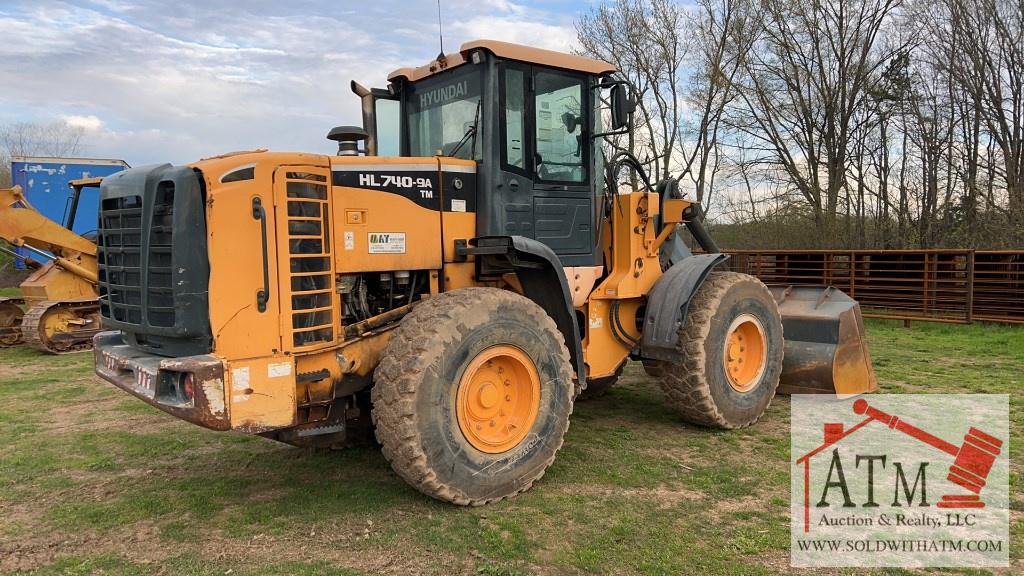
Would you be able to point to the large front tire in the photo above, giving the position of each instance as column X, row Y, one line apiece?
column 732, row 346
column 472, row 398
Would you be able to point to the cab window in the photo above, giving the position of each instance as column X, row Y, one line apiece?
column 387, row 113
column 559, row 126
column 443, row 113
column 514, row 118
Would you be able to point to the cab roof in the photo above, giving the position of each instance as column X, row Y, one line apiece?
column 508, row 51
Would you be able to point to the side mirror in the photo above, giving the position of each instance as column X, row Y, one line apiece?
column 620, row 107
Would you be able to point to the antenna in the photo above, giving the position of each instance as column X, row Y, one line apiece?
column 440, row 34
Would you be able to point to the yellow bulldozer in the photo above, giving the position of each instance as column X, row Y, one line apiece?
column 58, row 311
column 454, row 278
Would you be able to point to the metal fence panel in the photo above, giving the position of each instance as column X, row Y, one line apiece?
column 956, row 286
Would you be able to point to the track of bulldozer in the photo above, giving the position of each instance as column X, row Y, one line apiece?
column 33, row 326
column 11, row 315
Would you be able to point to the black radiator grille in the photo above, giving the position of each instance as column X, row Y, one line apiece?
column 119, row 259
column 153, row 264
column 160, row 305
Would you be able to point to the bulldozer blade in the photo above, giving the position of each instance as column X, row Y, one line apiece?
column 826, row 351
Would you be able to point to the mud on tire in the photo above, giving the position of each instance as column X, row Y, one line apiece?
column 416, row 385
column 698, row 388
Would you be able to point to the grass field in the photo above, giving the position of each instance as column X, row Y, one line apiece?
column 93, row 481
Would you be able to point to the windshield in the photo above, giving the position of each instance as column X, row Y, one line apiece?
column 443, row 114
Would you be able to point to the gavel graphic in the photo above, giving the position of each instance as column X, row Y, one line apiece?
column 972, row 461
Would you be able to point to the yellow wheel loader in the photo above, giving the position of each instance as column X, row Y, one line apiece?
column 454, row 277
column 59, row 311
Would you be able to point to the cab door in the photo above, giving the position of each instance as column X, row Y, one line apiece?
column 544, row 180
column 562, row 199
column 309, row 306
column 514, row 182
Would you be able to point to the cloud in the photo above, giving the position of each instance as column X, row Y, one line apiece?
column 156, row 81
column 518, row 30
column 89, row 122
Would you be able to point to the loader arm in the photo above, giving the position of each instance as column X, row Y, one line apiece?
column 23, row 225
column 58, row 311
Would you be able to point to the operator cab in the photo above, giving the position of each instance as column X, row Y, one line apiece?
column 531, row 120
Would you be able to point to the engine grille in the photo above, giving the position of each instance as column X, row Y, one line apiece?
column 310, row 270
column 119, row 259
column 160, row 304
column 153, row 267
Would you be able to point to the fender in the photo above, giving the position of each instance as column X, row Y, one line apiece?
column 540, row 272
column 668, row 303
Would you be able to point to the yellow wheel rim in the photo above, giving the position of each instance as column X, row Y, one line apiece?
column 498, row 399
column 745, row 352
column 57, row 322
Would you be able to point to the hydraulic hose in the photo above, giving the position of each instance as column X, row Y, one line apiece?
column 695, row 224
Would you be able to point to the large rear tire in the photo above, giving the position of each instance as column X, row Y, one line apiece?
column 732, row 345
column 472, row 398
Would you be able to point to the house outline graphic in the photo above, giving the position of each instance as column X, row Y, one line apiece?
column 973, row 459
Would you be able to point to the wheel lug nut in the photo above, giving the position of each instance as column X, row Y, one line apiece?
column 508, row 382
column 508, row 398
column 492, row 423
column 501, row 370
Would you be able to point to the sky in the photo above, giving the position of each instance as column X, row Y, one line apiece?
column 174, row 81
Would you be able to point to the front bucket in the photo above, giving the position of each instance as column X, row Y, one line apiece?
column 826, row 351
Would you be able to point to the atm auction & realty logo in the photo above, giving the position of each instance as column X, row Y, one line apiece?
column 909, row 480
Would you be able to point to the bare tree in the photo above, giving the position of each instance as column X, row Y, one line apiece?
column 804, row 82
column 721, row 33
column 888, row 123
column 34, row 139
column 984, row 40
column 644, row 40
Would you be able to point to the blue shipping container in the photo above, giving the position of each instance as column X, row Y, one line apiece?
column 46, row 185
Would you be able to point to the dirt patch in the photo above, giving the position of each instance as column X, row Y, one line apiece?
column 350, row 544
column 776, row 560
column 725, row 506
column 665, row 496
column 10, row 371
column 138, row 543
column 68, row 418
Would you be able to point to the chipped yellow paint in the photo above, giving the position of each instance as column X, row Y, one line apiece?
column 214, row 392
column 262, row 395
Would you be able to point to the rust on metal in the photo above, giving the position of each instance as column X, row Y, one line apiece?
column 146, row 377
column 825, row 348
column 953, row 286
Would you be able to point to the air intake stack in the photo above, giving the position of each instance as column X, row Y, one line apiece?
column 348, row 138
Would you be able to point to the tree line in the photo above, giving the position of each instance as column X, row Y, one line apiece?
column 56, row 138
column 839, row 124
